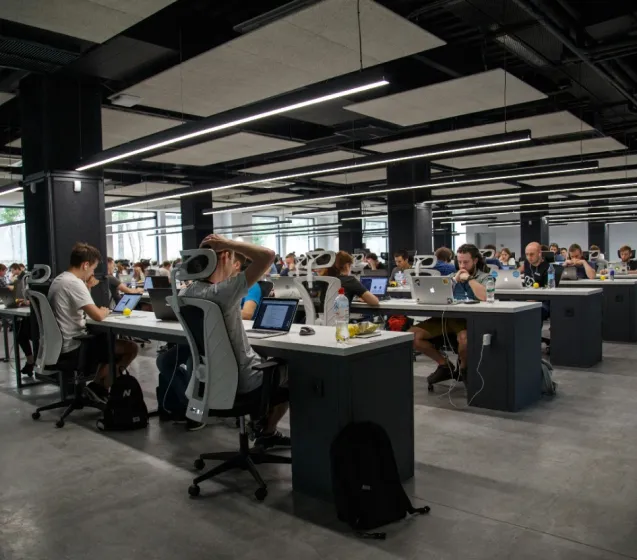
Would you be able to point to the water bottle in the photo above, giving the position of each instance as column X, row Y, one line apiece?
column 611, row 273
column 490, row 290
column 399, row 277
column 133, row 283
column 341, row 310
column 550, row 278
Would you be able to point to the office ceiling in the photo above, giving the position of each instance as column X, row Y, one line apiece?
column 458, row 70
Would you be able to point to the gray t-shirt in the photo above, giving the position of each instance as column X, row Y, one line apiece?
column 67, row 295
column 227, row 295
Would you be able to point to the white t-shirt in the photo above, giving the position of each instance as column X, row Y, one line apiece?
column 227, row 295
column 163, row 272
column 67, row 295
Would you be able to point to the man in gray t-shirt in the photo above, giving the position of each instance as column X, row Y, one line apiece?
column 226, row 288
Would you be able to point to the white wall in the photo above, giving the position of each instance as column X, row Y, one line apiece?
column 570, row 233
column 508, row 237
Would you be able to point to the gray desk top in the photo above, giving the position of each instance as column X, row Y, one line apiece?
column 599, row 283
column 323, row 342
column 410, row 306
column 564, row 292
column 20, row 311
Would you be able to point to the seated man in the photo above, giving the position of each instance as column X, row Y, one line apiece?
column 625, row 253
column 290, row 264
column 374, row 263
column 469, row 282
column 70, row 299
column 535, row 270
column 116, row 287
column 401, row 258
column 584, row 269
column 226, row 290
column 444, row 264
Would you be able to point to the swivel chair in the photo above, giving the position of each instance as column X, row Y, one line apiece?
column 212, row 391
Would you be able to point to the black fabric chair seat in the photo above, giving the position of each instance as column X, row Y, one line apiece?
column 242, row 407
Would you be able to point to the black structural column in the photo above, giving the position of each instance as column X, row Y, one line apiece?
column 410, row 224
column 350, row 234
column 443, row 236
column 534, row 225
column 61, row 125
column 195, row 225
column 598, row 231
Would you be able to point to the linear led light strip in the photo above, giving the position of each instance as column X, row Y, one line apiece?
column 353, row 167
column 322, row 212
column 368, row 217
column 300, row 230
column 508, row 213
column 372, row 192
column 588, row 214
column 11, row 191
column 143, row 229
column 514, row 205
column 237, row 122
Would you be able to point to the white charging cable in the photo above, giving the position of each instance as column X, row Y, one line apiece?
column 163, row 404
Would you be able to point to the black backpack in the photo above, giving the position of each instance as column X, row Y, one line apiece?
column 365, row 480
column 125, row 408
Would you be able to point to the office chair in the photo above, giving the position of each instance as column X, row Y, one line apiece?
column 317, row 292
column 632, row 254
column 212, row 390
column 487, row 253
column 66, row 374
column 266, row 288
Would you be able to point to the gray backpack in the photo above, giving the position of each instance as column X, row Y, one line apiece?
column 549, row 387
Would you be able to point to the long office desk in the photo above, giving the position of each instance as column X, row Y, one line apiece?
column 510, row 366
column 576, row 322
column 619, row 317
column 13, row 316
column 331, row 384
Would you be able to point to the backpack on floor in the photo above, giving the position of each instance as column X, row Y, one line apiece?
column 549, row 387
column 399, row 323
column 365, row 480
column 125, row 408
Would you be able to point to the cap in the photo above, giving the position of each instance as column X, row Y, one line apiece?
column 341, row 290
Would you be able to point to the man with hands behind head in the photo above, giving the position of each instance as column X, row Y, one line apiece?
column 226, row 288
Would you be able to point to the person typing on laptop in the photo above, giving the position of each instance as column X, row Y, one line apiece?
column 225, row 288
column 469, row 283
column 342, row 269
column 535, row 270
column 584, row 269
column 116, row 287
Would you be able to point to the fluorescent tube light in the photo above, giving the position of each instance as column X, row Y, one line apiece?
column 366, row 217
column 372, row 192
column 237, row 122
column 322, row 212
column 16, row 189
column 512, row 138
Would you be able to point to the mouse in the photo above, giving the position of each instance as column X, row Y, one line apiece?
column 307, row 331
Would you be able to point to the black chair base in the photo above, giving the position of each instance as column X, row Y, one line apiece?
column 245, row 459
column 78, row 402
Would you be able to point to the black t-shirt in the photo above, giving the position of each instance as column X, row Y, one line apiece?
column 631, row 265
column 113, row 284
column 352, row 287
column 538, row 273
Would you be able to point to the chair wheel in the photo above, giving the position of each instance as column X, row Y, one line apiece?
column 199, row 464
column 194, row 490
column 35, row 415
column 430, row 388
column 59, row 424
column 427, row 509
column 261, row 494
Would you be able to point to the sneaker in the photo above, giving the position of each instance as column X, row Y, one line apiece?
column 27, row 369
column 276, row 439
column 96, row 392
column 443, row 373
column 192, row 426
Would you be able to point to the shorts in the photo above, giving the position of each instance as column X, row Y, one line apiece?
column 434, row 326
column 281, row 394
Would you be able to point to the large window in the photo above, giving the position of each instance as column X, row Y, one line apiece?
column 269, row 240
column 131, row 244
column 299, row 243
column 461, row 238
column 174, row 241
column 13, row 245
column 375, row 242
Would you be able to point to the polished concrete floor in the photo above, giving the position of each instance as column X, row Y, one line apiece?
column 557, row 481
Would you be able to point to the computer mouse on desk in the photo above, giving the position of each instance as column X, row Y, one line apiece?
column 307, row 331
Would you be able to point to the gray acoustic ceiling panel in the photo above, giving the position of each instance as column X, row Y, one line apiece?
column 609, row 192
column 379, row 174
column 630, row 159
column 589, row 177
column 340, row 156
column 309, row 46
column 119, row 127
column 91, row 20
column 228, row 148
column 462, row 96
column 143, row 189
column 4, row 97
column 471, row 189
column 541, row 126
column 535, row 153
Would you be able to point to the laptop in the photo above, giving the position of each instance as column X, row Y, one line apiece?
column 376, row 285
column 161, row 308
column 151, row 282
column 569, row 273
column 129, row 301
column 507, row 279
column 8, row 298
column 284, row 287
column 274, row 318
column 433, row 290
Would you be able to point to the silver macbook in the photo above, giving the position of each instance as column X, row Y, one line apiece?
column 433, row 290
column 274, row 318
column 284, row 287
column 507, row 279
column 569, row 273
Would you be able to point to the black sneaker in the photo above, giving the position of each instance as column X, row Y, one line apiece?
column 276, row 439
column 96, row 392
column 27, row 369
column 192, row 426
column 443, row 373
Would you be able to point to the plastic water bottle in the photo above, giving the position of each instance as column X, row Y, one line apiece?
column 341, row 310
column 399, row 277
column 550, row 278
column 133, row 284
column 491, row 290
column 611, row 273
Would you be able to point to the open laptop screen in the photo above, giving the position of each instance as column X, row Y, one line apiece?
column 377, row 286
column 128, row 300
column 275, row 314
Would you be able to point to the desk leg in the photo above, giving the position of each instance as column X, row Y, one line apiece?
column 110, row 337
column 5, row 326
column 16, row 351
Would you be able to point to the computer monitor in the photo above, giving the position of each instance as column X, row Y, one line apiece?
column 156, row 282
column 275, row 314
column 548, row 256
